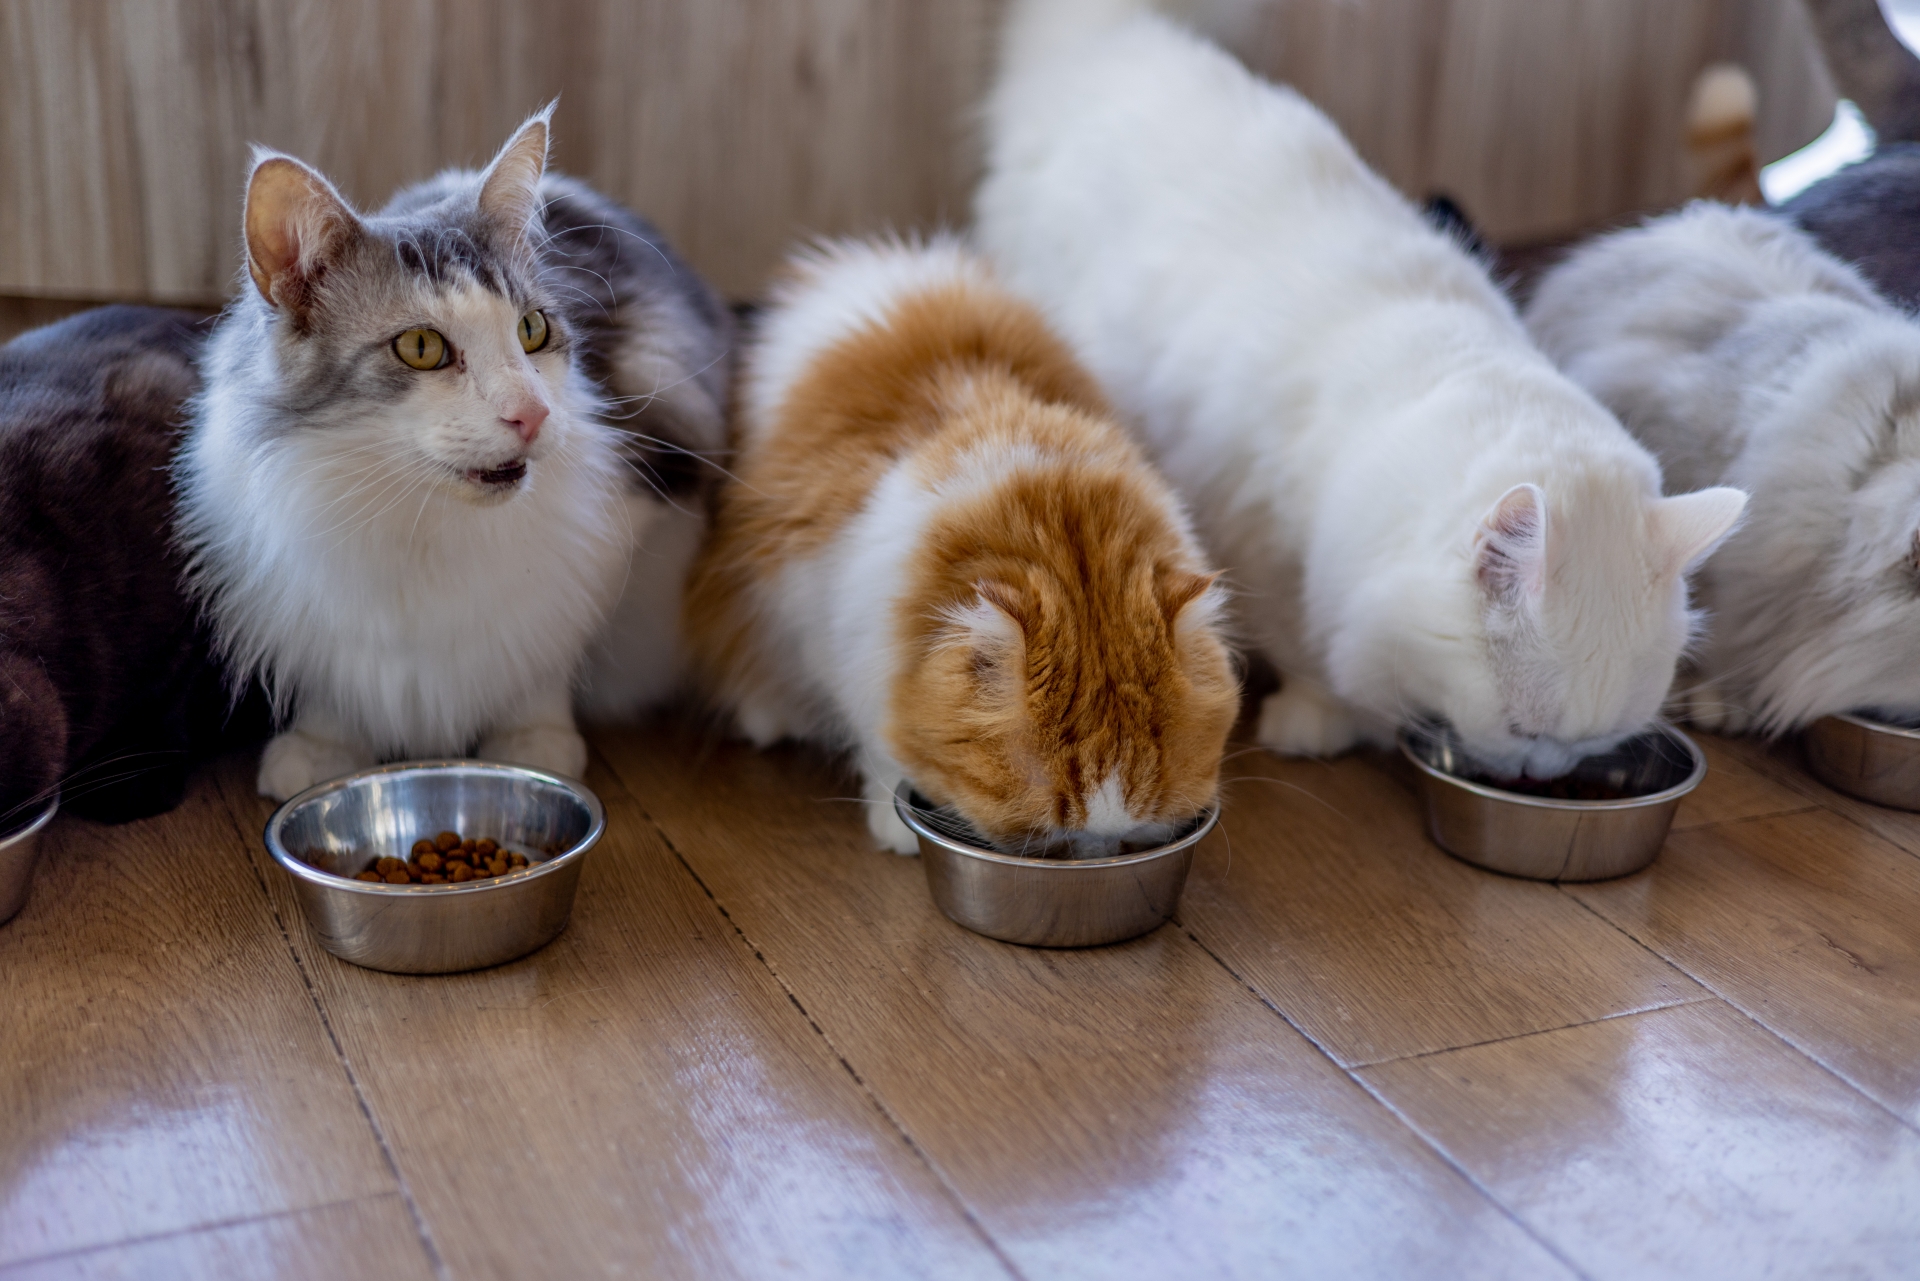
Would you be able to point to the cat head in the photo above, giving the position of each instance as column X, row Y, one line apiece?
column 422, row 333
column 1822, row 585
column 1559, row 633
column 1066, row 679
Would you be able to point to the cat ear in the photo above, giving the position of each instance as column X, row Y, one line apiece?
column 991, row 627
column 1688, row 527
column 510, row 191
column 1180, row 588
column 1510, row 547
column 295, row 222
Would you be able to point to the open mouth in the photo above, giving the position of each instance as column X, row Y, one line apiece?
column 511, row 474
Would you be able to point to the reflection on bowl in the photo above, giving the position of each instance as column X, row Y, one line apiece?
column 1554, row 831
column 19, row 852
column 325, row 835
column 1871, row 759
column 1046, row 902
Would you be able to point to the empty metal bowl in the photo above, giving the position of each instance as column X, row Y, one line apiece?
column 326, row 834
column 19, row 852
column 1873, row 760
column 1550, row 839
column 1047, row 902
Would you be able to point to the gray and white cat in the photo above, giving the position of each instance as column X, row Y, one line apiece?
column 1741, row 353
column 403, row 506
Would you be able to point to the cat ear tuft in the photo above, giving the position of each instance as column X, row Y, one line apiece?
column 1686, row 528
column 295, row 222
column 1510, row 547
column 510, row 191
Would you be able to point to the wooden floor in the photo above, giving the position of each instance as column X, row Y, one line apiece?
column 759, row 1051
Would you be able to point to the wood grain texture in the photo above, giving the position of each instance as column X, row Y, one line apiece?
column 741, row 124
column 1784, row 763
column 1805, row 922
column 373, row 1238
column 1735, row 788
column 161, row 1065
column 640, row 1096
column 1326, row 896
column 1129, row 1111
column 1683, row 1143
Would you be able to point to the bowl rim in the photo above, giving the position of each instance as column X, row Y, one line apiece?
column 1869, row 723
column 1674, row 793
column 21, row 836
column 315, row 876
column 1208, row 818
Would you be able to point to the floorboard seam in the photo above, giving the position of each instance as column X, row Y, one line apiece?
column 196, row 1229
column 1755, row 1019
column 1706, row 994
column 1445, row 1157
column 405, row 1193
column 873, row 1099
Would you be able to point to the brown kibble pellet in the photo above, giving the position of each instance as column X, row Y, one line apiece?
column 399, row 876
column 446, row 859
column 485, row 847
column 369, row 875
column 422, row 847
column 431, row 862
column 517, row 858
column 432, row 878
column 497, row 866
column 386, row 865
column 461, row 872
column 447, row 841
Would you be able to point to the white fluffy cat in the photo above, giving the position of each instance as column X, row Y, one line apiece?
column 1419, row 515
column 1740, row 352
column 400, row 506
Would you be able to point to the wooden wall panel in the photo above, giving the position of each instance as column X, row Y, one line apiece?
column 739, row 124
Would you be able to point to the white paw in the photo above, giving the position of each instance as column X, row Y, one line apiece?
column 1304, row 720
column 294, row 761
column 888, row 831
column 557, row 749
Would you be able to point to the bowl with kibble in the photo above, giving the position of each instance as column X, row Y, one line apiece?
column 433, row 867
column 1047, row 897
column 1606, row 817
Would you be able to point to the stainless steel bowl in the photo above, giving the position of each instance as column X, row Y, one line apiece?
column 1047, row 902
column 1557, row 840
column 18, row 855
column 326, row 834
column 1866, row 758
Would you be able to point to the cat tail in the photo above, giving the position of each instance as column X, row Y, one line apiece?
column 1721, row 155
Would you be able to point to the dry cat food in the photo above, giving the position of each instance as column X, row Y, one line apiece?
column 1568, row 788
column 447, row 859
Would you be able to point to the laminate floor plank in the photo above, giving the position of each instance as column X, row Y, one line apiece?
column 1735, row 789
column 1686, row 1143
column 162, row 1065
column 1129, row 1111
column 1324, row 892
column 640, row 1097
column 1804, row 921
column 1784, row 763
column 356, row 1239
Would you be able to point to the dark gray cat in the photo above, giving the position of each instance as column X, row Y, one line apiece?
column 1868, row 214
column 107, row 683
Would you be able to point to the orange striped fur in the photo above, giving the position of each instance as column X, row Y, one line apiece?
column 1049, row 637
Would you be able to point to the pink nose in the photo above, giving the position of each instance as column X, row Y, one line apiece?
column 526, row 418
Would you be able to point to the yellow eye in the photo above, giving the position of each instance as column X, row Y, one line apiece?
column 533, row 331
column 421, row 348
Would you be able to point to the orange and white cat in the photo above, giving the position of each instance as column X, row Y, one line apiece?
column 940, row 553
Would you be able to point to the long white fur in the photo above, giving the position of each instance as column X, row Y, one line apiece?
column 397, row 614
column 1740, row 352
column 826, row 624
column 1343, row 397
